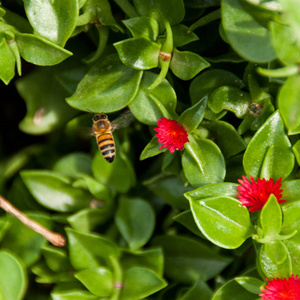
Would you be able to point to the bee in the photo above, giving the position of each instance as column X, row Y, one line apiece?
column 103, row 128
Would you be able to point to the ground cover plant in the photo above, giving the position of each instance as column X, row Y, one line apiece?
column 202, row 200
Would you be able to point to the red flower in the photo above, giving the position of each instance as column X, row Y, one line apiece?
column 282, row 289
column 256, row 194
column 171, row 134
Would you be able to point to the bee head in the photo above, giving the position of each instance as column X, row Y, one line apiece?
column 99, row 117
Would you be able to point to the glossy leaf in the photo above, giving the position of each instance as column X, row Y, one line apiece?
column 140, row 283
column 232, row 290
column 13, row 276
column 288, row 104
column 251, row 284
column 53, row 191
column 186, row 65
column 99, row 281
column 213, row 190
column 73, row 294
column 203, row 162
column 138, row 53
column 149, row 105
column 194, row 259
column 274, row 270
column 152, row 149
column 285, row 42
column 255, row 44
column 209, row 80
column 7, row 62
column 171, row 10
column 200, row 290
column 142, row 27
column 39, row 51
column 182, row 35
column 135, row 220
column 52, row 20
column 230, row 98
column 226, row 137
column 114, row 87
column 270, row 217
column 281, row 160
column 45, row 111
column 223, row 220
column 88, row 250
column 291, row 191
column 192, row 117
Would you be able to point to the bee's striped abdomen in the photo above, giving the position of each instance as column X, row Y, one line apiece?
column 106, row 145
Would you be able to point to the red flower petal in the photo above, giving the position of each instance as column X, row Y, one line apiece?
column 255, row 194
column 282, row 289
column 171, row 134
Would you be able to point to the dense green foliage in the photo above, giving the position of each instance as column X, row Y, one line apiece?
column 151, row 225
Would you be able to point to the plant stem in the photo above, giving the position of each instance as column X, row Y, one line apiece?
column 128, row 9
column 215, row 15
column 55, row 238
column 118, row 277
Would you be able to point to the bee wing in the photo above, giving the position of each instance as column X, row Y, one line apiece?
column 123, row 120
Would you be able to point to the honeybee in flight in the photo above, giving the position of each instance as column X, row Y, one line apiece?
column 103, row 128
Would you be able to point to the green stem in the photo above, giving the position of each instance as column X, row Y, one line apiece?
column 103, row 32
column 118, row 278
column 128, row 9
column 215, row 15
column 164, row 60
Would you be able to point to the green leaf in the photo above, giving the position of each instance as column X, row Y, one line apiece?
column 188, row 260
column 151, row 258
column 291, row 191
column 291, row 221
column 186, row 65
column 223, row 220
column 170, row 189
column 114, row 86
column 226, row 137
column 288, row 102
column 40, row 51
column 182, row 35
column 74, row 163
column 28, row 254
column 138, row 53
column 271, row 269
column 119, row 175
column 281, row 159
column 89, row 250
column 53, row 191
column 143, row 27
column 140, row 283
column 171, row 10
column 13, row 276
column 135, row 220
column 225, row 189
column 230, row 98
column 233, row 290
column 192, row 117
column 200, row 290
column 202, row 162
column 251, row 284
column 7, row 62
column 45, row 111
column 270, row 217
column 52, row 20
column 255, row 44
column 99, row 281
column 56, row 259
column 286, row 42
column 276, row 251
column 149, row 105
column 73, row 294
column 152, row 149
